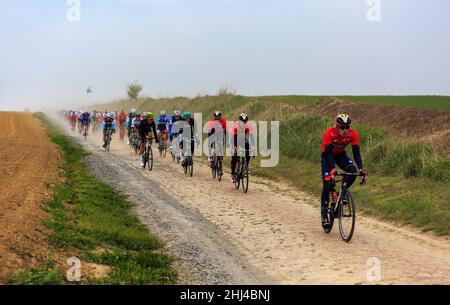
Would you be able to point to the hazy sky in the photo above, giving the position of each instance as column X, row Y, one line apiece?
column 187, row 47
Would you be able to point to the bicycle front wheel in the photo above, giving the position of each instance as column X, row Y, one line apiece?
column 244, row 176
column 150, row 159
column 214, row 170
column 347, row 216
column 219, row 170
column 191, row 170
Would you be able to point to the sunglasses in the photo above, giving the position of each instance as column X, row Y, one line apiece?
column 344, row 127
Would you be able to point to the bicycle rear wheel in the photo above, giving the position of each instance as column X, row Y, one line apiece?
column 347, row 217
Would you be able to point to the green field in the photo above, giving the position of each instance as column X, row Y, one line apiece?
column 427, row 102
column 408, row 180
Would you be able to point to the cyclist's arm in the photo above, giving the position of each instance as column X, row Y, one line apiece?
column 356, row 149
column 153, row 127
column 357, row 156
column 328, row 163
column 251, row 138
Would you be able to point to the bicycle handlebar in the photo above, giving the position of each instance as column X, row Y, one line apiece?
column 352, row 174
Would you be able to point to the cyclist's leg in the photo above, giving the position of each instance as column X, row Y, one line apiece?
column 234, row 161
column 141, row 146
column 347, row 165
column 158, row 134
column 247, row 153
column 326, row 188
column 192, row 146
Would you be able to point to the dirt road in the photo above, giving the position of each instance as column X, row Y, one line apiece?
column 28, row 161
column 272, row 234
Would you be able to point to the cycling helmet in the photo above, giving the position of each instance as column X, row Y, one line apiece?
column 343, row 119
column 217, row 114
column 109, row 115
column 187, row 115
column 133, row 111
column 163, row 113
column 149, row 115
column 177, row 113
column 243, row 117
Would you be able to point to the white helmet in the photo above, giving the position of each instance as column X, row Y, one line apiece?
column 163, row 113
column 133, row 110
column 177, row 113
column 109, row 115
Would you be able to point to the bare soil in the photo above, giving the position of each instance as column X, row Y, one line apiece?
column 29, row 161
column 414, row 123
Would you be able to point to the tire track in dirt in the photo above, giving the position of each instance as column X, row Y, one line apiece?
column 278, row 230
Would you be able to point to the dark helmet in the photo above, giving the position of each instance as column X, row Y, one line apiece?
column 243, row 117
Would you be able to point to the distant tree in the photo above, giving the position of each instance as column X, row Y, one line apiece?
column 133, row 90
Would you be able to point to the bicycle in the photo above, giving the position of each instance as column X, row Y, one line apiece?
column 162, row 146
column 134, row 140
column 85, row 131
column 217, row 168
column 343, row 207
column 188, row 166
column 176, row 151
column 148, row 153
column 242, row 177
column 108, row 139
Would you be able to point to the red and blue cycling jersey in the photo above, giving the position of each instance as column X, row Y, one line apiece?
column 332, row 137
column 162, row 122
column 333, row 149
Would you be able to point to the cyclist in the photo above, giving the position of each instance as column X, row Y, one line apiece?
column 242, row 136
column 175, row 118
column 131, row 116
column 145, row 127
column 122, row 118
column 161, row 125
column 216, row 124
column 335, row 141
column 85, row 119
column 73, row 119
column 189, row 124
column 108, row 123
